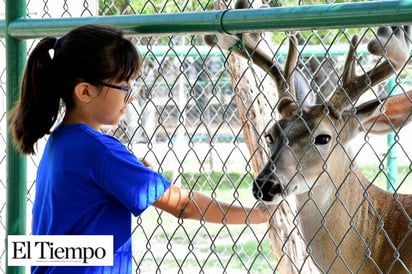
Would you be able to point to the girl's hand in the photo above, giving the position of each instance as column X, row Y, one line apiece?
column 265, row 210
column 146, row 163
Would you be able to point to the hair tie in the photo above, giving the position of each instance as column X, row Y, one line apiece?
column 53, row 49
column 55, row 43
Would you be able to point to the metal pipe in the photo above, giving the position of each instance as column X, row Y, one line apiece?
column 391, row 154
column 202, row 51
column 357, row 14
column 346, row 15
column 16, row 163
column 164, row 23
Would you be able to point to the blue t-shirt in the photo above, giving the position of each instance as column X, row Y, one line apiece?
column 88, row 183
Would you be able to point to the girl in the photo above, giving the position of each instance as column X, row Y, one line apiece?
column 87, row 182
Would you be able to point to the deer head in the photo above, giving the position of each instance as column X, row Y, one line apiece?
column 308, row 144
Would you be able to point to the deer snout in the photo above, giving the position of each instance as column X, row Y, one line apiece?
column 267, row 187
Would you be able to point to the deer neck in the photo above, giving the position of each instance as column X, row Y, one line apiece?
column 334, row 199
column 347, row 215
column 347, row 184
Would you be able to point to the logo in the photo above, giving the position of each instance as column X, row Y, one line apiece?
column 60, row 250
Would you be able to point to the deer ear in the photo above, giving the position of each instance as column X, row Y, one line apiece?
column 303, row 93
column 394, row 114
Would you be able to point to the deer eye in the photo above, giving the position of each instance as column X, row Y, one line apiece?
column 269, row 139
column 322, row 139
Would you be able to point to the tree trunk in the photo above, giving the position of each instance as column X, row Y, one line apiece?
column 255, row 107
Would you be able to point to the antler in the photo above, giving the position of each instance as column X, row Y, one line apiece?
column 286, row 81
column 393, row 45
column 287, row 91
column 247, row 48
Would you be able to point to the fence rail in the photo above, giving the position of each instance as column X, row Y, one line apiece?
column 345, row 15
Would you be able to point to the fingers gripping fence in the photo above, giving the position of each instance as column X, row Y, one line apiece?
column 202, row 118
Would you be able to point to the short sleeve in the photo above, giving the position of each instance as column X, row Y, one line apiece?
column 126, row 178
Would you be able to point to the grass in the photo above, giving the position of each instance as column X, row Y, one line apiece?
column 211, row 180
column 244, row 253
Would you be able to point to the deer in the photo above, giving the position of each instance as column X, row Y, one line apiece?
column 348, row 224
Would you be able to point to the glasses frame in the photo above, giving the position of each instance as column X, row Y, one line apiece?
column 129, row 90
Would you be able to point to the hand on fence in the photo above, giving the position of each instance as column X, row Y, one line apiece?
column 146, row 163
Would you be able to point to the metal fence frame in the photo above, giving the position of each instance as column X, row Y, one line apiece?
column 16, row 28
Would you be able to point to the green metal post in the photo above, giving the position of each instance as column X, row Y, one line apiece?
column 16, row 163
column 392, row 169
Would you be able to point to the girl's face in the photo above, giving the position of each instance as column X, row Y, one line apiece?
column 110, row 103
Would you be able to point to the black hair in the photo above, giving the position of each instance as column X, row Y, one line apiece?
column 92, row 53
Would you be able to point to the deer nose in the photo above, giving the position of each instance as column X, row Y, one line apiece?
column 267, row 190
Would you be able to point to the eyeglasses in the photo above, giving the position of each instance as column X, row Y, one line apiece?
column 131, row 91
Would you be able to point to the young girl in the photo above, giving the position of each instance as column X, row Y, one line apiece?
column 87, row 182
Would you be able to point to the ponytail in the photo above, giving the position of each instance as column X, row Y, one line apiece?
column 38, row 106
column 55, row 66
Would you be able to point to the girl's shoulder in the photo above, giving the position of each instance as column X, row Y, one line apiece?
column 84, row 135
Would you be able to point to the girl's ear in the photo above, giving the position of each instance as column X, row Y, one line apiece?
column 85, row 92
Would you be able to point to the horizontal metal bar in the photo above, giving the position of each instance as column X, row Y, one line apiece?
column 203, row 51
column 346, row 15
column 165, row 23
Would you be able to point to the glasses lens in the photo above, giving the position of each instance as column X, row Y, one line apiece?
column 132, row 92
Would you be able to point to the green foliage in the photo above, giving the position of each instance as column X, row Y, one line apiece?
column 379, row 176
column 209, row 181
column 260, row 253
column 117, row 7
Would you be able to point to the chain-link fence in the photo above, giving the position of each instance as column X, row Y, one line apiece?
column 188, row 122
column 3, row 124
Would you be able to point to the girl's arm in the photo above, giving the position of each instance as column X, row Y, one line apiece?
column 193, row 205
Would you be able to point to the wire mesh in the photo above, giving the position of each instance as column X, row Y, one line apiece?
column 186, row 122
column 3, row 138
